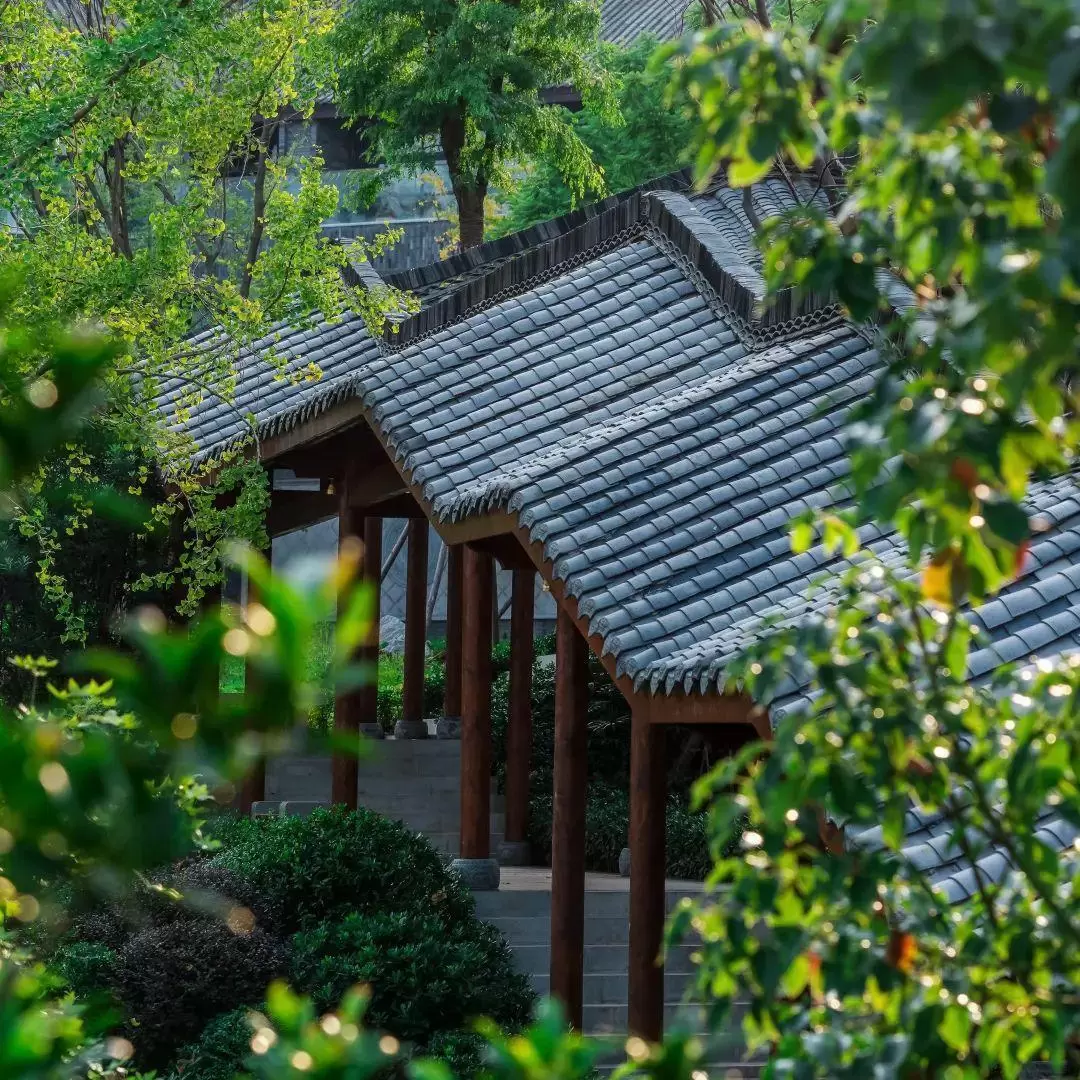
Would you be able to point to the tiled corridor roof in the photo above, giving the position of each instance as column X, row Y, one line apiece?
column 611, row 380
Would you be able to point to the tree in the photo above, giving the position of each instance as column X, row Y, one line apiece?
column 955, row 227
column 651, row 137
column 147, row 185
column 465, row 77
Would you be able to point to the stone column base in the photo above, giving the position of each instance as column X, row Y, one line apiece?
column 410, row 729
column 514, row 853
column 480, row 875
column 372, row 731
column 448, row 727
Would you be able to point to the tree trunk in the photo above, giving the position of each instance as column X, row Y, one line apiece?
column 469, row 192
column 470, row 202
column 258, row 207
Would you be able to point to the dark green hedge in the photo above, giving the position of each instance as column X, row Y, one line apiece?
column 329, row 901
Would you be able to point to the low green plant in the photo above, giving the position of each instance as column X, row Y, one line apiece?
column 337, row 862
column 424, row 972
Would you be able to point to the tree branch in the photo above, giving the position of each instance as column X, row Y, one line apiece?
column 258, row 208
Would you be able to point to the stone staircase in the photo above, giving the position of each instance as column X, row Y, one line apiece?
column 521, row 910
column 418, row 783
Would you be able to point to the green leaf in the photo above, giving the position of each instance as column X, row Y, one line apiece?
column 744, row 171
column 1007, row 520
column 955, row 1027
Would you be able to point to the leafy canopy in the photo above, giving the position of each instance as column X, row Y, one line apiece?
column 650, row 137
column 466, row 78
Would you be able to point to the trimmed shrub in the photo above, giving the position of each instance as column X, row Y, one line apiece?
column 337, row 862
column 85, row 966
column 217, row 1053
column 172, row 980
column 427, row 974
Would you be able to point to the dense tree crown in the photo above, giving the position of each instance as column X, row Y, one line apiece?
column 649, row 137
column 464, row 78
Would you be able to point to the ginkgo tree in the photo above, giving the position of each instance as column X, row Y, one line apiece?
column 149, row 185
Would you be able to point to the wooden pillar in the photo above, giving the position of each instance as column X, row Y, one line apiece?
column 515, row 848
column 412, row 725
column 348, row 705
column 568, row 819
column 475, row 865
column 449, row 727
column 647, row 877
column 368, row 695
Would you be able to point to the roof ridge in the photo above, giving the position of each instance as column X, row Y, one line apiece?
column 519, row 242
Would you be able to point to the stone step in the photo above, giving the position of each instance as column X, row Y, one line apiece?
column 525, row 903
column 536, row 930
column 611, row 989
column 600, row 959
column 432, row 787
column 613, row 1020
column 422, row 820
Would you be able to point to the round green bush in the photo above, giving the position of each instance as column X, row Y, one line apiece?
column 218, row 1052
column 337, row 862
column 338, row 898
column 427, row 974
column 174, row 979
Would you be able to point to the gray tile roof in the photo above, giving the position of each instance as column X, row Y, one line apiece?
column 612, row 380
column 624, row 20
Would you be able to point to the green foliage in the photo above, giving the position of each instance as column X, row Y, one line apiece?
column 466, row 77
column 954, row 202
column 336, row 862
column 652, row 139
column 85, row 967
column 172, row 980
column 224, row 1042
column 422, row 970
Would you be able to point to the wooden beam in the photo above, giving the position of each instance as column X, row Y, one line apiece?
column 507, row 551
column 375, row 483
column 291, row 510
column 335, row 419
column 411, row 725
column 647, row 877
column 476, row 706
column 568, row 819
column 398, row 506
column 515, row 850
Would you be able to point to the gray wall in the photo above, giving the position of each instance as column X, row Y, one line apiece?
column 321, row 540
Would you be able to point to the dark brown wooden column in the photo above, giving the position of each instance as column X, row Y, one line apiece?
column 568, row 819
column 449, row 727
column 348, row 705
column 475, row 865
column 515, row 847
column 412, row 725
column 647, row 877
column 368, row 694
